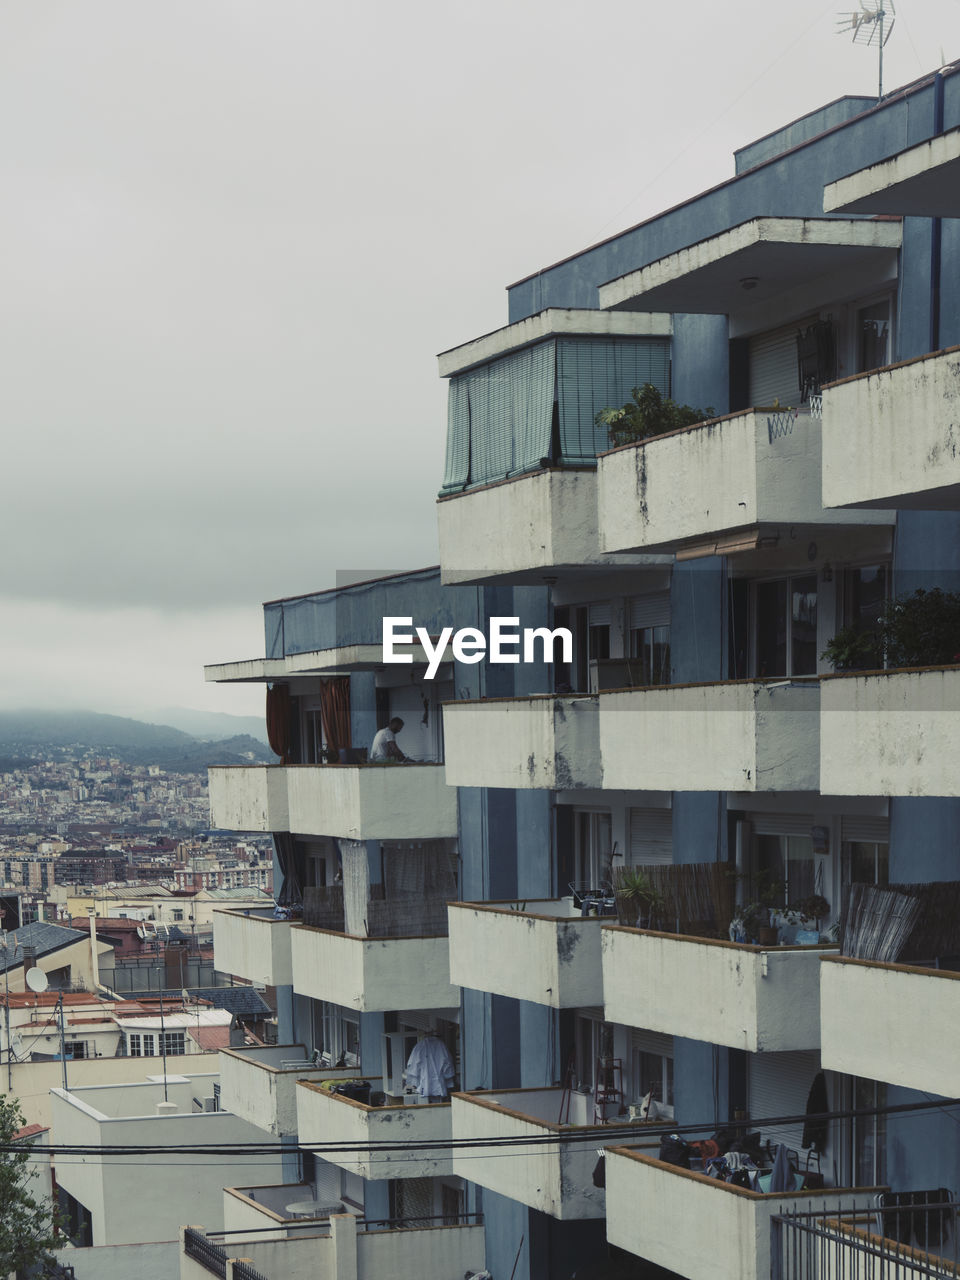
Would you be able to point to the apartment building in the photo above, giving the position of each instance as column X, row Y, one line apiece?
column 695, row 730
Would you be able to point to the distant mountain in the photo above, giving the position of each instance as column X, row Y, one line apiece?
column 133, row 741
column 215, row 726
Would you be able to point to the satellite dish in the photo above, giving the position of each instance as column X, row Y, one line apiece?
column 141, row 932
column 37, row 980
column 185, row 995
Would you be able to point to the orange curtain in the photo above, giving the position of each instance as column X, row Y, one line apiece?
column 335, row 711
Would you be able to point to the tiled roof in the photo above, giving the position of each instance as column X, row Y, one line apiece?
column 242, row 1000
column 40, row 935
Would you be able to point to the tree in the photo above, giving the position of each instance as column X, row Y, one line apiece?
column 650, row 413
column 27, row 1227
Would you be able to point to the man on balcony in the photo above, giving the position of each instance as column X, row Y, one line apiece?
column 385, row 743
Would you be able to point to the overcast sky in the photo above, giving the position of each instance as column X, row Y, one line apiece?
column 235, row 234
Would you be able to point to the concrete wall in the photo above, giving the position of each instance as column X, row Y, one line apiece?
column 874, row 1017
column 132, row 1199
column 527, row 953
column 326, row 1117
column 253, row 945
column 891, row 733
column 540, row 743
column 156, row 1261
column 373, row 802
column 257, row 1087
column 743, row 997
column 736, row 736
column 893, row 436
column 373, row 974
column 534, row 522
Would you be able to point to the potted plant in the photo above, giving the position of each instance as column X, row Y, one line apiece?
column 637, row 897
column 854, row 650
column 649, row 413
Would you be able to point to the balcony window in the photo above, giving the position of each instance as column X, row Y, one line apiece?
column 785, row 631
column 593, row 849
column 539, row 404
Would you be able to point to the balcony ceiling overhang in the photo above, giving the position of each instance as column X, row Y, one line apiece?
column 921, row 181
column 553, row 322
column 328, row 662
column 753, row 263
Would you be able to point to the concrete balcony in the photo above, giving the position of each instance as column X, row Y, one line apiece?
column 325, row 1117
column 253, row 945
column 531, row 524
column 540, row 742
column 354, row 802
column 259, row 1084
column 372, row 974
column 761, row 999
column 748, row 477
column 891, row 733
column 557, row 1177
column 697, row 1226
column 283, row 1210
column 890, row 437
column 537, row 951
column 341, row 1247
column 736, row 735
column 874, row 1016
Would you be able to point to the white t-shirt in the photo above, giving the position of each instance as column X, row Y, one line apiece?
column 379, row 749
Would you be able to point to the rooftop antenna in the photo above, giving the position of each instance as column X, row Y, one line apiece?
column 871, row 24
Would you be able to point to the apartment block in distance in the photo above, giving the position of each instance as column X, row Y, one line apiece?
column 700, row 879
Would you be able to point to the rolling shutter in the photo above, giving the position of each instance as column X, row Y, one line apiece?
column 651, row 1042
column 868, row 830
column 774, row 367
column 782, row 824
column 650, row 611
column 779, row 1084
column 600, row 614
column 651, row 836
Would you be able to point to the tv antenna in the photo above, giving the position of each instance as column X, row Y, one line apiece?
column 871, row 24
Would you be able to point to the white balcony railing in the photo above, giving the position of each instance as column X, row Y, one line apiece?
column 891, row 733
column 356, row 802
column 325, row 1117
column 538, row 951
column 874, row 1016
column 555, row 1177
column 537, row 742
column 735, row 735
column 253, row 945
column 761, row 999
column 259, row 1084
column 698, row 1226
column 372, row 974
column 745, row 475
column 890, row 436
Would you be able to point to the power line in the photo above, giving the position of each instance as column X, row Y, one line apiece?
column 590, row 1135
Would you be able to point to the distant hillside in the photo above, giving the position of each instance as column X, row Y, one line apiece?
column 134, row 741
column 215, row 726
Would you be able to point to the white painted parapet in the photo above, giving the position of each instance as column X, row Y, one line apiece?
column 698, row 1226
column 892, row 437
column 735, row 735
column 891, row 1022
column 325, row 1117
column 372, row 974
column 753, row 471
column 891, row 733
column 543, row 742
column 761, row 999
column 356, row 802
column 258, row 1084
column 537, row 951
column 253, row 945
column 555, row 1177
